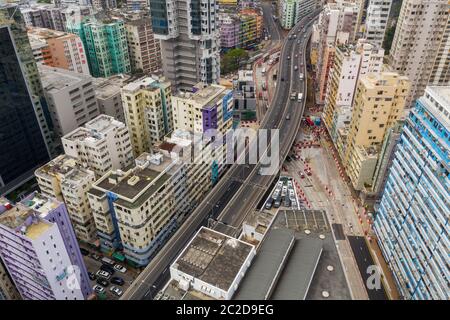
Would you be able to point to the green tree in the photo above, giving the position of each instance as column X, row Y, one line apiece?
column 232, row 59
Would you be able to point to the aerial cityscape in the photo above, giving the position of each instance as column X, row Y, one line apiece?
column 217, row 150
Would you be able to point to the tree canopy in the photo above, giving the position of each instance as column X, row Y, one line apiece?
column 231, row 60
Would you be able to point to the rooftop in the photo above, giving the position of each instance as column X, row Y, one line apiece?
column 136, row 185
column 203, row 95
column 214, row 258
column 54, row 79
column 143, row 83
column 62, row 164
column 94, row 129
column 107, row 87
column 441, row 106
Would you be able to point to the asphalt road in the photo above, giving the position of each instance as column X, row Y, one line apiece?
column 239, row 190
column 364, row 261
column 269, row 23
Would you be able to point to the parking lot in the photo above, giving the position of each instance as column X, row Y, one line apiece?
column 93, row 266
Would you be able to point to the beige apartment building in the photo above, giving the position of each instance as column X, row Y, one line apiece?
column 61, row 50
column 101, row 145
column 378, row 105
column 148, row 111
column 420, row 45
column 64, row 179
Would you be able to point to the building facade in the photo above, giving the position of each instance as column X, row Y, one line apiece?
column 65, row 180
column 63, row 50
column 106, row 45
column 147, row 106
column 25, row 133
column 70, row 98
column 379, row 104
column 190, row 40
column 377, row 16
column 417, row 42
column 40, row 252
column 107, row 92
column 411, row 222
column 101, row 145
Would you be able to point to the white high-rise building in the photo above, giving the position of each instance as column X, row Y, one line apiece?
column 101, row 145
column 417, row 41
column 376, row 20
column 190, row 44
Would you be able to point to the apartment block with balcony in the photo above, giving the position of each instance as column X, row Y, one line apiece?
column 422, row 28
column 148, row 111
column 411, row 222
column 39, row 250
column 64, row 179
column 101, row 145
column 190, row 40
column 378, row 105
column 377, row 17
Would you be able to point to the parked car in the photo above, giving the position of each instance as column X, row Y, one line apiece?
column 308, row 172
column 96, row 256
column 98, row 289
column 92, row 276
column 107, row 268
column 120, row 268
column 84, row 252
column 117, row 291
column 103, row 282
column 302, row 175
column 269, row 203
column 103, row 274
column 117, row 280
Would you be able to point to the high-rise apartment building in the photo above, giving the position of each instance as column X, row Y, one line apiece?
column 105, row 44
column 411, row 222
column 378, row 105
column 24, row 132
column 143, row 47
column 190, row 40
column 65, row 180
column 337, row 25
column 421, row 28
column 148, row 112
column 101, row 145
column 40, row 251
column 62, row 50
column 350, row 63
column 70, row 98
column 377, row 17
column 292, row 11
column 440, row 75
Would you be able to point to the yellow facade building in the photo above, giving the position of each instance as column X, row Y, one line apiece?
column 378, row 105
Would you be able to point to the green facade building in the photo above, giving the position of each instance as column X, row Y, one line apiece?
column 106, row 46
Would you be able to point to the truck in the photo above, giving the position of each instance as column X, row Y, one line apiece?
column 300, row 97
column 301, row 76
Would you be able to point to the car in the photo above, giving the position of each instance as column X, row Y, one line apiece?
column 289, row 57
column 92, row 276
column 84, row 252
column 295, row 36
column 288, row 117
column 269, row 204
column 302, row 175
column 295, row 68
column 103, row 274
column 103, row 282
column 107, row 268
column 282, row 79
column 108, row 261
column 117, row 280
column 120, row 268
column 296, row 55
column 308, row 172
column 117, row 291
column 96, row 256
column 98, row 289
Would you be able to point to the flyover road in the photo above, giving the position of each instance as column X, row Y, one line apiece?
column 229, row 190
